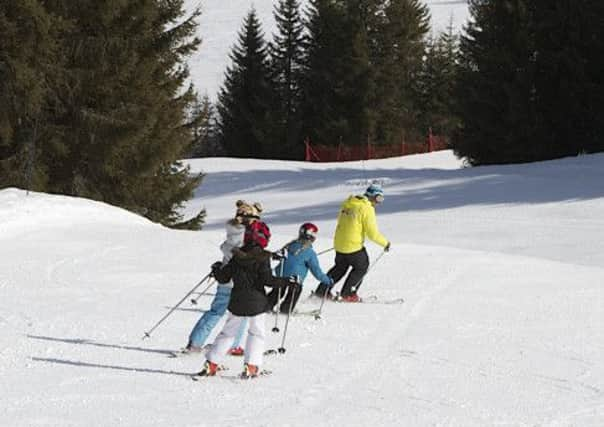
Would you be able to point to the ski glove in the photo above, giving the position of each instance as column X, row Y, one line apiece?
column 216, row 266
column 279, row 255
column 292, row 282
column 387, row 247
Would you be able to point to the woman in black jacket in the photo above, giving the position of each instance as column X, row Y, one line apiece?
column 250, row 270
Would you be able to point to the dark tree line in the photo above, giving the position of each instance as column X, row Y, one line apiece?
column 531, row 80
column 342, row 71
column 94, row 103
column 94, row 100
column 523, row 83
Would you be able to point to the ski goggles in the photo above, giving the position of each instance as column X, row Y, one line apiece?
column 311, row 234
column 244, row 215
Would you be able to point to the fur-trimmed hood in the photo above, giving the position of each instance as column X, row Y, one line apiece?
column 251, row 253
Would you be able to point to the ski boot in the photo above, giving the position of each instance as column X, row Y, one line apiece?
column 190, row 348
column 350, row 298
column 236, row 351
column 249, row 371
column 209, row 369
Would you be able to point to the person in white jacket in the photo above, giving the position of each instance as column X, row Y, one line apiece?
column 246, row 214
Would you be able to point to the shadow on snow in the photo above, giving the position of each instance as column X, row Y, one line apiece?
column 113, row 367
column 416, row 190
column 80, row 341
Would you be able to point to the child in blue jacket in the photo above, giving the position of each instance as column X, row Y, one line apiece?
column 300, row 257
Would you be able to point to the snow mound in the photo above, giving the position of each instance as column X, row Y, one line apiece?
column 22, row 211
column 444, row 160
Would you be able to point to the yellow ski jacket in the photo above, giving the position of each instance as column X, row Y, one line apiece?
column 356, row 221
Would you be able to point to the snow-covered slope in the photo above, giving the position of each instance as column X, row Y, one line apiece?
column 24, row 212
column 501, row 269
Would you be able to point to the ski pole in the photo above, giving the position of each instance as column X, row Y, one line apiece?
column 289, row 314
column 284, row 247
column 202, row 293
column 207, row 276
column 353, row 288
column 276, row 327
column 325, row 251
column 318, row 315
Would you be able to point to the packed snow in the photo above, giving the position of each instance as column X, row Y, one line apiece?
column 501, row 269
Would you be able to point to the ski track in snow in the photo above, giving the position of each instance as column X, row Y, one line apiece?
column 387, row 343
column 501, row 324
column 386, row 334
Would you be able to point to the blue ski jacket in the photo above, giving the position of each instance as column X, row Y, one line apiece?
column 300, row 258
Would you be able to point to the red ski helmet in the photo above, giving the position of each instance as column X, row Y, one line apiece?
column 308, row 231
column 257, row 232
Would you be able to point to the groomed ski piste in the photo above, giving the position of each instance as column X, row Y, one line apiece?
column 501, row 269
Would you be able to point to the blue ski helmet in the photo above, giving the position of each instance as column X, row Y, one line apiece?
column 375, row 192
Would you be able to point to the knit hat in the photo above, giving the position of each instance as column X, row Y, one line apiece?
column 248, row 210
column 374, row 191
column 257, row 232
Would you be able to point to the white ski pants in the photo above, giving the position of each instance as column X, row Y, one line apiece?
column 254, row 346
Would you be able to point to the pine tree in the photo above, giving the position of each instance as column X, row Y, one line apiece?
column 203, row 127
column 496, row 84
column 122, row 121
column 360, row 73
column 362, row 61
column 28, row 63
column 286, row 53
column 569, row 82
column 327, row 89
column 244, row 102
column 436, row 84
column 399, row 44
column 531, row 83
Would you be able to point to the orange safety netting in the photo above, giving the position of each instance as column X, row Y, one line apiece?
column 341, row 152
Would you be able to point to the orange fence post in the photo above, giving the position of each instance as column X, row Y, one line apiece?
column 310, row 153
column 306, row 150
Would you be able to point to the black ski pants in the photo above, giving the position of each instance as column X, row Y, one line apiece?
column 357, row 262
column 290, row 292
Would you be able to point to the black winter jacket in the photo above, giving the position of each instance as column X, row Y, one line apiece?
column 250, row 270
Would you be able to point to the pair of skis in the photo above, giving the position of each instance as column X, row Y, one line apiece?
column 222, row 368
column 242, row 377
column 372, row 299
column 183, row 353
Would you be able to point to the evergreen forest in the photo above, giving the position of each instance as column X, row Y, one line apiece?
column 96, row 99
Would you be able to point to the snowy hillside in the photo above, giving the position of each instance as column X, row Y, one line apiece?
column 221, row 20
column 501, row 269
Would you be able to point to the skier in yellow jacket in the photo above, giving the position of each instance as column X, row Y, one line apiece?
column 356, row 221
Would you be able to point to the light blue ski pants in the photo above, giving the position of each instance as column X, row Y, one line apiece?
column 204, row 326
